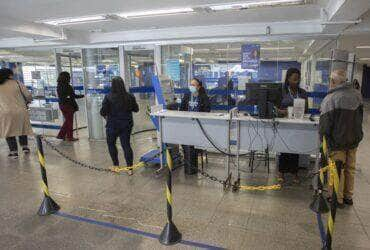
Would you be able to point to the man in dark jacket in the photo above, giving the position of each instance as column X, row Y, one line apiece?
column 341, row 125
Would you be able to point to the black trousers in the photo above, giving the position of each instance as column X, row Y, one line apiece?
column 124, row 135
column 12, row 142
column 191, row 159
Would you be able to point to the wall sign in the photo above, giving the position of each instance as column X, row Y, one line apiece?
column 250, row 56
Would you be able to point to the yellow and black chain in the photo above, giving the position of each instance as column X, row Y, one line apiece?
column 236, row 187
column 85, row 165
column 203, row 173
column 78, row 163
column 211, row 177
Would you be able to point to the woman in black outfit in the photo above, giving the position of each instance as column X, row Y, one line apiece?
column 68, row 105
column 196, row 101
column 117, row 109
column 288, row 163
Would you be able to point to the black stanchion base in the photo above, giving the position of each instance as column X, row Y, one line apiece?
column 48, row 206
column 326, row 248
column 170, row 235
column 319, row 204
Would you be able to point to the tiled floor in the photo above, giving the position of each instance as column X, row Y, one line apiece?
column 203, row 212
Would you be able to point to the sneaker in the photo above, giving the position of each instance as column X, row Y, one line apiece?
column 13, row 155
column 348, row 201
column 26, row 150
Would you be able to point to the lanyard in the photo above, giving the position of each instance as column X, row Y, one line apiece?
column 290, row 93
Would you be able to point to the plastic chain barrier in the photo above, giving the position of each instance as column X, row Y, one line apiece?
column 260, row 188
column 237, row 186
column 114, row 170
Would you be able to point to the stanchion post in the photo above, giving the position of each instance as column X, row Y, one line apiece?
column 336, row 172
column 319, row 204
column 170, row 234
column 48, row 205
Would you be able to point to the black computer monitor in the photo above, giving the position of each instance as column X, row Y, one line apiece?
column 265, row 95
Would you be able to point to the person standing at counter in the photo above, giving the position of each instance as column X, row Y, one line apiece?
column 341, row 124
column 117, row 109
column 288, row 163
column 14, row 117
column 68, row 105
column 196, row 101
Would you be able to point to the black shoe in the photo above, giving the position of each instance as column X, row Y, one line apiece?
column 340, row 205
column 348, row 201
column 26, row 150
column 13, row 155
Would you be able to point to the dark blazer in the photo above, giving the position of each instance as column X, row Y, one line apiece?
column 204, row 104
column 67, row 96
column 118, row 114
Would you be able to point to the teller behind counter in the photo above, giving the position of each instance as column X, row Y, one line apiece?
column 289, row 163
column 196, row 101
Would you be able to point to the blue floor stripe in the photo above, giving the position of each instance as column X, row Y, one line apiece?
column 131, row 230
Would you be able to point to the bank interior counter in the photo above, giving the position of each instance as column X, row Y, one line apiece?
column 214, row 131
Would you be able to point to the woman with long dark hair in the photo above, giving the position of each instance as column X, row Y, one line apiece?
column 117, row 109
column 288, row 163
column 196, row 101
column 14, row 117
column 68, row 105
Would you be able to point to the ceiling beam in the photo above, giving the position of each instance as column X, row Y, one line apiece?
column 338, row 11
column 29, row 29
column 295, row 28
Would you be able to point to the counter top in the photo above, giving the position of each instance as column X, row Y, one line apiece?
column 195, row 115
column 226, row 116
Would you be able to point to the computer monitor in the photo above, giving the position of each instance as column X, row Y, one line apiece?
column 265, row 95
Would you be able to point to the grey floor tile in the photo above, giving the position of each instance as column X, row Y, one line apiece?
column 202, row 211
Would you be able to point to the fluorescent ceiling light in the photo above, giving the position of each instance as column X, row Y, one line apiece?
column 365, row 59
column 74, row 20
column 148, row 13
column 255, row 4
column 363, row 47
column 277, row 48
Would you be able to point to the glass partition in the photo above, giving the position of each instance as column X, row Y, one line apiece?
column 225, row 69
column 140, row 69
column 100, row 66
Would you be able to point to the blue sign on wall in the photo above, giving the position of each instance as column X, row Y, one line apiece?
column 250, row 56
column 173, row 69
